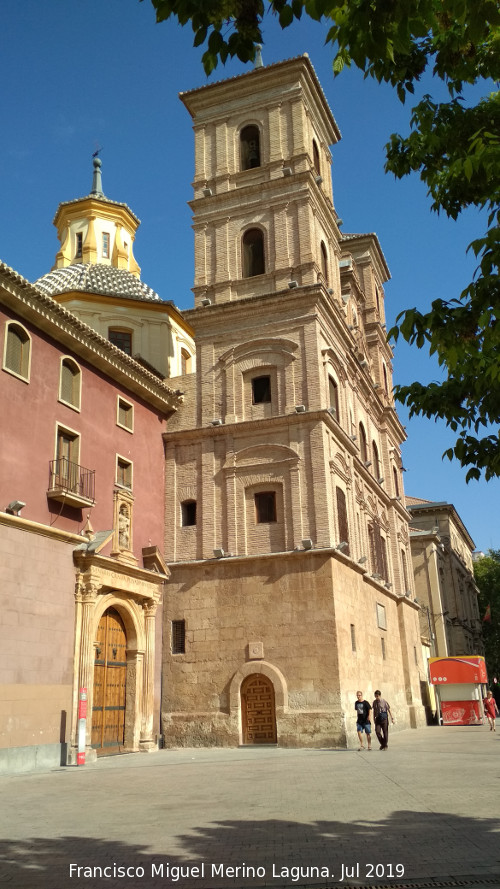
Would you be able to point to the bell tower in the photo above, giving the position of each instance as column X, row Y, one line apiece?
column 263, row 211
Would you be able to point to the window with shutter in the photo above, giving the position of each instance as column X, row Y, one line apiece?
column 69, row 387
column 178, row 643
column 125, row 415
column 17, row 351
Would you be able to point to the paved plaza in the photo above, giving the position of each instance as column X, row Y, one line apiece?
column 424, row 813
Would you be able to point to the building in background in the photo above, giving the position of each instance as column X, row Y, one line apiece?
column 442, row 557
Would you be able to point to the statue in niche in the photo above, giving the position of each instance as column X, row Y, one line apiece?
column 124, row 527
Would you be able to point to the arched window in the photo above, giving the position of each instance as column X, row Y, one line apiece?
column 70, row 383
column 324, row 262
column 250, row 147
column 333, row 392
column 316, row 163
column 396, row 481
column 386, row 384
column 376, row 460
column 17, row 352
column 363, row 450
column 253, row 253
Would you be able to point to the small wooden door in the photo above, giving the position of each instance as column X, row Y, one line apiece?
column 110, row 675
column 258, row 711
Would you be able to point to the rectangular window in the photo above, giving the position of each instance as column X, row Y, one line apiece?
column 261, row 390
column 78, row 244
column 121, row 338
column 67, row 470
column 123, row 472
column 381, row 618
column 378, row 551
column 265, row 507
column 353, row 637
column 188, row 513
column 105, row 245
column 342, row 519
column 415, row 653
column 384, row 654
column 178, row 637
column 125, row 415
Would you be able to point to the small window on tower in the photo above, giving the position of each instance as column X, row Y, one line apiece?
column 105, row 245
column 253, row 253
column 265, row 507
column 188, row 513
column 261, row 390
column 250, row 148
column 79, row 245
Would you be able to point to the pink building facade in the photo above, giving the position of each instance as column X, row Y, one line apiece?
column 81, row 527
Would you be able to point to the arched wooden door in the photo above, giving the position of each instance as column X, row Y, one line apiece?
column 258, row 710
column 110, row 675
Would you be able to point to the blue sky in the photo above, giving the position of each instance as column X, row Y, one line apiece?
column 80, row 75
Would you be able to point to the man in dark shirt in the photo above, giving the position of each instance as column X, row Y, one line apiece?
column 381, row 713
column 363, row 723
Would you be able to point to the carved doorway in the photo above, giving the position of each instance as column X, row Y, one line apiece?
column 258, row 710
column 110, row 678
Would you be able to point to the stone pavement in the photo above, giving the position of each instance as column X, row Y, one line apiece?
column 424, row 813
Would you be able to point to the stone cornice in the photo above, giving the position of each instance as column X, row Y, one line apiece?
column 30, row 527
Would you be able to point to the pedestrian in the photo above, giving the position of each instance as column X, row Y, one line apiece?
column 491, row 710
column 381, row 713
column 363, row 723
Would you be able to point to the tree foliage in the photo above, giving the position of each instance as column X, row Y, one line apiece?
column 487, row 574
column 453, row 146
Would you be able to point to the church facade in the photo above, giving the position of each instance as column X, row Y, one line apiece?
column 225, row 518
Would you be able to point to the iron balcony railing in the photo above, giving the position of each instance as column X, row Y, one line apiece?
column 70, row 478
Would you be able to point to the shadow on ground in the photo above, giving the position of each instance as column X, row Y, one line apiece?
column 428, row 845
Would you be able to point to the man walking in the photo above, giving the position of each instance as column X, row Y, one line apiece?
column 381, row 713
column 363, row 723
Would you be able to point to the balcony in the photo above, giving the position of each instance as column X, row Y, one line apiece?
column 71, row 484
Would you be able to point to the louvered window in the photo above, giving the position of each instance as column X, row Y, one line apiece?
column 70, row 383
column 178, row 637
column 17, row 351
column 123, row 473
column 125, row 414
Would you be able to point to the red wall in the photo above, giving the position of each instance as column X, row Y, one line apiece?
column 29, row 413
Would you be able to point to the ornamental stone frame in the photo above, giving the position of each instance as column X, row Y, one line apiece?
column 102, row 583
column 278, row 681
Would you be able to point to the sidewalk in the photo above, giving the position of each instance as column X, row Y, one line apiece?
column 425, row 810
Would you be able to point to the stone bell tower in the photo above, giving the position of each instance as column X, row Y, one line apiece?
column 286, row 531
column 263, row 213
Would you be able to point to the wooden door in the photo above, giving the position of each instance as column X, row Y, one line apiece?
column 110, row 674
column 258, row 711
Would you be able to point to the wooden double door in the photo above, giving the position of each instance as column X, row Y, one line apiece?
column 110, row 680
column 258, row 710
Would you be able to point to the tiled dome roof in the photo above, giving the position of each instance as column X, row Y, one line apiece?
column 95, row 278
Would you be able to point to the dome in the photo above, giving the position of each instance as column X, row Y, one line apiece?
column 95, row 278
